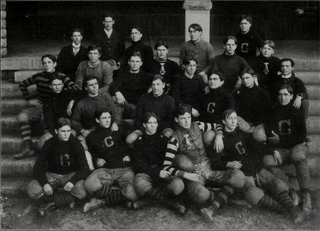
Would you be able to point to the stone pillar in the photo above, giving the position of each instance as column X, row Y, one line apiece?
column 198, row 11
column 3, row 29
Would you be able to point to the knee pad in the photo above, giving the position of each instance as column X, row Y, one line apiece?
column 176, row 186
column 43, row 139
column 198, row 192
column 237, row 179
column 268, row 161
column 130, row 193
column 141, row 185
column 208, row 137
column 78, row 190
column 182, row 162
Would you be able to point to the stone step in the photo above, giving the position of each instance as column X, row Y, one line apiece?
column 313, row 92
column 13, row 106
column 13, row 167
column 309, row 77
column 13, row 144
column 314, row 107
column 15, row 186
column 22, row 75
column 9, row 126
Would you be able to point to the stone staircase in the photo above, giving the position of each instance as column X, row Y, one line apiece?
column 16, row 174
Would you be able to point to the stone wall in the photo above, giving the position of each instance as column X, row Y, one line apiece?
column 3, row 29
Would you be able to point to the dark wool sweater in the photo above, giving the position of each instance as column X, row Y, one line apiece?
column 163, row 106
column 240, row 146
column 213, row 104
column 110, row 146
column 252, row 104
column 289, row 123
column 187, row 91
column 171, row 69
column 132, row 86
column 61, row 157
column 42, row 81
column 148, row 154
column 67, row 62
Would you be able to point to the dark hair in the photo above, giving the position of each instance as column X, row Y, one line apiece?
column 286, row 86
column 94, row 47
column 76, row 30
column 138, row 28
column 268, row 42
column 196, row 27
column 186, row 60
column 52, row 57
column 157, row 76
column 226, row 39
column 161, row 43
column 247, row 70
column 136, row 54
column 181, row 109
column 227, row 112
column 62, row 122
column 99, row 112
column 55, row 76
column 88, row 78
column 218, row 73
column 287, row 60
column 108, row 14
column 147, row 116
column 246, row 17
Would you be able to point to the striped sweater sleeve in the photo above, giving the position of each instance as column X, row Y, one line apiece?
column 171, row 152
column 24, row 86
column 210, row 126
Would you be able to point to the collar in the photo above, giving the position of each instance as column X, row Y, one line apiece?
column 160, row 60
column 287, row 76
column 137, row 43
column 94, row 65
column 76, row 46
column 108, row 32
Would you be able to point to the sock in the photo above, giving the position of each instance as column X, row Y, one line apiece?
column 25, row 130
column 303, row 174
column 103, row 192
column 223, row 196
column 115, row 198
column 211, row 197
column 285, row 200
column 268, row 202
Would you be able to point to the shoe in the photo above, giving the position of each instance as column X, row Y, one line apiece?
column 136, row 204
column 176, row 206
column 93, row 204
column 294, row 196
column 44, row 208
column 206, row 214
column 27, row 151
column 72, row 204
column 306, row 202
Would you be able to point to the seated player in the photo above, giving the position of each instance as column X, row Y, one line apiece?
column 243, row 153
column 151, row 181
column 61, row 164
column 111, row 158
column 187, row 140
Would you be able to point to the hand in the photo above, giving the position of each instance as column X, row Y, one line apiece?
column 149, row 89
column 85, row 132
column 35, row 102
column 120, row 98
column 218, row 143
column 126, row 158
column 234, row 165
column 100, row 162
column 118, row 65
column 238, row 83
column 195, row 112
column 275, row 138
column 47, row 189
column 69, row 108
column 114, row 127
column 68, row 186
column 164, row 174
column 204, row 77
column 277, row 158
column 191, row 176
column 206, row 90
column 297, row 102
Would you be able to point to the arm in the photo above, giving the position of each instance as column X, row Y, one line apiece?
column 116, row 116
column 76, row 118
column 183, row 53
column 39, row 168
column 107, row 76
column 49, row 117
column 80, row 75
column 172, row 148
column 24, row 86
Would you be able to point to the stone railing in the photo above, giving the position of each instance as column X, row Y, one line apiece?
column 3, row 29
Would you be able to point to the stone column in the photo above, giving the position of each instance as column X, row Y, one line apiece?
column 198, row 11
column 3, row 29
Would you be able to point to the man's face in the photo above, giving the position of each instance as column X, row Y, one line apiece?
column 230, row 47
column 76, row 37
column 104, row 120
column 63, row 133
column 92, row 87
column 284, row 97
column 49, row 65
column 286, row 68
column 194, row 34
column 245, row 26
column 135, row 35
column 108, row 23
column 162, row 52
column 94, row 56
column 267, row 51
column 56, row 85
column 191, row 67
column 184, row 120
column 135, row 63
column 215, row 82
column 230, row 122
column 157, row 87
column 151, row 126
column 247, row 80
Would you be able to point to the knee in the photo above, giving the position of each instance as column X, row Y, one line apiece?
column 132, row 137
column 176, row 186
column 167, row 132
column 259, row 133
column 237, row 179
column 34, row 190
column 268, row 161
column 79, row 190
column 198, row 192
column 130, row 193
column 141, row 184
column 253, row 194
column 183, row 163
column 208, row 137
column 43, row 139
column 23, row 117
column 280, row 186
column 298, row 153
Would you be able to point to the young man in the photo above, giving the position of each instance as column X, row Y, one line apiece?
column 72, row 55
column 34, row 113
column 152, row 181
column 243, row 153
column 100, row 69
column 252, row 104
column 157, row 102
column 187, row 140
column 137, row 45
column 161, row 65
column 266, row 66
column 286, row 131
column 62, row 163
column 300, row 95
column 111, row 42
column 188, row 86
column 130, row 85
column 201, row 50
column 111, row 158
column 229, row 64
column 248, row 41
